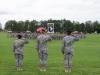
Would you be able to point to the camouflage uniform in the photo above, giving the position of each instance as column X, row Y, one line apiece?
column 41, row 47
column 67, row 49
column 19, row 51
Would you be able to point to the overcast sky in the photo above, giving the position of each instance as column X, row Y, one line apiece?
column 77, row 10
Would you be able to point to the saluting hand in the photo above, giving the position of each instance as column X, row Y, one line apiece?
column 46, row 34
column 72, row 34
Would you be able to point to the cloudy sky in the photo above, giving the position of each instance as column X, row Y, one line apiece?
column 77, row 10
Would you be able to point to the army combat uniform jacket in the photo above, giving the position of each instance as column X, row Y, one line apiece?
column 67, row 44
column 18, row 46
column 41, row 43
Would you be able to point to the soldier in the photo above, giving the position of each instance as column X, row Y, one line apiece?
column 67, row 50
column 41, row 47
column 18, row 51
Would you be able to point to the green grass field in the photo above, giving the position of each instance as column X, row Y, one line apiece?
column 86, row 59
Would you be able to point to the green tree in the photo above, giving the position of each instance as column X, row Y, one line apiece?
column 26, row 26
column 96, row 24
column 88, row 25
column 98, row 29
column 33, row 26
column 68, row 25
column 14, row 25
column 20, row 26
column 8, row 25
column 82, row 27
column 57, row 27
column 77, row 27
column 0, row 27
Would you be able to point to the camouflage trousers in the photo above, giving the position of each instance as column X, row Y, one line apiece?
column 43, row 58
column 68, row 60
column 19, row 58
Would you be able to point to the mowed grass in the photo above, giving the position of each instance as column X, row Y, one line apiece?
column 86, row 58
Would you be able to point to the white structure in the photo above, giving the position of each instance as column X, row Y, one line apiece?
column 50, row 27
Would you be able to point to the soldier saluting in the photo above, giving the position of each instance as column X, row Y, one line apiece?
column 19, row 51
column 42, row 49
column 67, row 49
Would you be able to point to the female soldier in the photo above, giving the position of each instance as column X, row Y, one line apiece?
column 19, row 51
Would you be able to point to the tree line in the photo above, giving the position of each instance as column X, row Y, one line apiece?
column 0, row 27
column 59, row 25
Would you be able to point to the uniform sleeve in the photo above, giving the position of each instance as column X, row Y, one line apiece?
column 49, row 38
column 37, row 44
column 13, row 48
column 63, row 44
column 76, row 38
column 25, row 41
